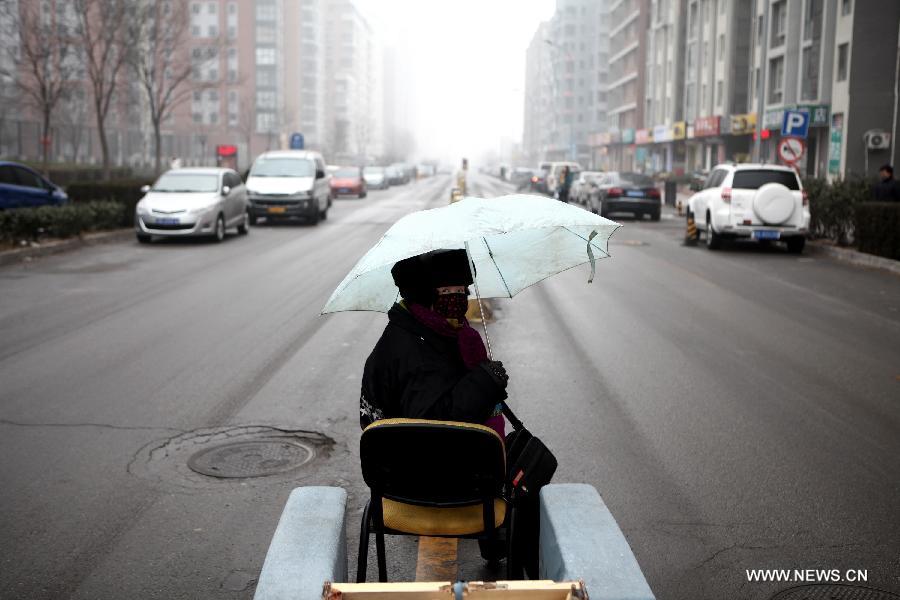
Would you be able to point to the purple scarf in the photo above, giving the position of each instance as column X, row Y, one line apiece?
column 471, row 348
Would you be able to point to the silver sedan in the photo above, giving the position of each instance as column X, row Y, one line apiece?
column 192, row 202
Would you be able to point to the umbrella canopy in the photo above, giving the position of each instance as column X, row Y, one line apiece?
column 515, row 241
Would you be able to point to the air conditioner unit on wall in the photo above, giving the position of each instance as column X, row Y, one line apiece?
column 877, row 140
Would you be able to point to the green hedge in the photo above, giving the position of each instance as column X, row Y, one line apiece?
column 832, row 207
column 67, row 220
column 878, row 228
column 126, row 192
column 65, row 174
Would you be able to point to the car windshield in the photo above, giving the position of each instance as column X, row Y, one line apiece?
column 592, row 177
column 347, row 173
column 283, row 167
column 187, row 182
column 756, row 178
column 374, row 170
column 635, row 179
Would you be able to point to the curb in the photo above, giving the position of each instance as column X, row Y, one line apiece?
column 17, row 255
column 854, row 257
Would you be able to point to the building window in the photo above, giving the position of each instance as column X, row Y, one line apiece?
column 195, row 31
column 213, row 31
column 846, row 7
column 265, row 56
column 213, row 117
column 266, row 12
column 265, row 121
column 812, row 20
column 232, row 31
column 195, row 8
column 198, row 117
column 213, row 74
column 265, row 34
column 211, row 8
column 843, row 56
column 809, row 74
column 719, row 87
column 232, row 8
column 705, row 53
column 265, row 99
column 721, row 46
column 779, row 23
column 723, row 4
column 232, row 75
column 776, row 80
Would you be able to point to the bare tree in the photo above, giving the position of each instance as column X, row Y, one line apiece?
column 41, row 64
column 363, row 133
column 246, row 124
column 71, row 120
column 100, row 31
column 164, row 69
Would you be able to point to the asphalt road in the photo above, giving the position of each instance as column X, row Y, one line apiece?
column 737, row 409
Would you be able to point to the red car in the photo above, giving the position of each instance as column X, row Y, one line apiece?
column 348, row 181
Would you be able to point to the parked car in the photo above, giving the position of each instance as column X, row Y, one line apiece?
column 556, row 169
column 289, row 184
column 698, row 179
column 192, row 202
column 396, row 175
column 585, row 185
column 521, row 177
column 539, row 179
column 376, row 178
column 22, row 187
column 622, row 192
column 752, row 201
column 348, row 181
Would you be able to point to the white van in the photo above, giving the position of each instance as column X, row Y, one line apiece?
column 288, row 184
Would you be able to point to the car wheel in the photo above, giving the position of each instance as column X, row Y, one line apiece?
column 713, row 239
column 219, row 233
column 795, row 244
column 364, row 194
column 655, row 215
column 244, row 227
column 143, row 238
column 314, row 218
column 324, row 215
column 254, row 219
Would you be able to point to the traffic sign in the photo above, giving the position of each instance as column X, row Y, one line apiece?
column 296, row 141
column 795, row 123
column 791, row 150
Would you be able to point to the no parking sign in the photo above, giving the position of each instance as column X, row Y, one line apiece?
column 791, row 150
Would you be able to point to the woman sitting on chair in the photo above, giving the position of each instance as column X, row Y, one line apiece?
column 430, row 363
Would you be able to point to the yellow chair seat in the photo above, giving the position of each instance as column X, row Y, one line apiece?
column 426, row 520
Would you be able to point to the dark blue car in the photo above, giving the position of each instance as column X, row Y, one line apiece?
column 22, row 187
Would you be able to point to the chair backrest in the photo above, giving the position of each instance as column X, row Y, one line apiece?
column 433, row 463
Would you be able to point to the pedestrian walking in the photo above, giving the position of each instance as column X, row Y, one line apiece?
column 888, row 189
column 565, row 183
column 431, row 364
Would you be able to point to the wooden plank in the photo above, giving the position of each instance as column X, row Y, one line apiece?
column 436, row 559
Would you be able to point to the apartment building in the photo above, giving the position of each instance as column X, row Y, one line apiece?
column 565, row 81
column 625, row 105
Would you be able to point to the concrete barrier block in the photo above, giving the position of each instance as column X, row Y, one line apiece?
column 581, row 540
column 308, row 548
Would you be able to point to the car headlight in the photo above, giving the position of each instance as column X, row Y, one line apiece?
column 143, row 209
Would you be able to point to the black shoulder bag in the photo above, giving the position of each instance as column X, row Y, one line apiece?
column 529, row 463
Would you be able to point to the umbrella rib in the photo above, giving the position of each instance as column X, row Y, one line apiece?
column 496, row 266
column 589, row 241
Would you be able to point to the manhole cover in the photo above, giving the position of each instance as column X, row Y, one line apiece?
column 254, row 458
column 833, row 592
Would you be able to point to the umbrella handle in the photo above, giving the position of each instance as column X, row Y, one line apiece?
column 487, row 338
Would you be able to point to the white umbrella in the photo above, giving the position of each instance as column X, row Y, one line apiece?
column 515, row 241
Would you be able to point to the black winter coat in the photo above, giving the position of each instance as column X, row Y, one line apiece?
column 416, row 373
column 886, row 190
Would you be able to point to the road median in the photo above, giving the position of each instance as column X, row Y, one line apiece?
column 36, row 250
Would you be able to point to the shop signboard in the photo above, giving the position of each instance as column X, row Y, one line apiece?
column 834, row 148
column 706, row 126
column 628, row 136
column 643, row 136
column 818, row 115
column 661, row 133
column 679, row 128
column 743, row 124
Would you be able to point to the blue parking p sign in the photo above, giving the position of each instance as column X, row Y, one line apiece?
column 795, row 123
column 297, row 141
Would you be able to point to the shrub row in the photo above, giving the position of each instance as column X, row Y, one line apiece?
column 126, row 192
column 65, row 174
column 62, row 221
column 832, row 207
column 878, row 228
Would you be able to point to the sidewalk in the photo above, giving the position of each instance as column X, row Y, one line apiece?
column 852, row 256
column 29, row 253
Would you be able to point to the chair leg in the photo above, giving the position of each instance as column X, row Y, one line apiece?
column 382, row 561
column 513, row 564
column 363, row 556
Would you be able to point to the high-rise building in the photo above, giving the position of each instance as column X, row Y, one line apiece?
column 565, row 81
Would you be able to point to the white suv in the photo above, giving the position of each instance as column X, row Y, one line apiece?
column 760, row 202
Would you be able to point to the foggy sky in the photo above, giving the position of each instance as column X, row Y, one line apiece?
column 467, row 59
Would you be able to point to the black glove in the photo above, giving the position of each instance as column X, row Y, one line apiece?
column 496, row 371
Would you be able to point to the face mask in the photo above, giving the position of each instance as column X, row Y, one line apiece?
column 452, row 306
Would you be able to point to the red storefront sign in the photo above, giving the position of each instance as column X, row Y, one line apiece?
column 706, row 126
